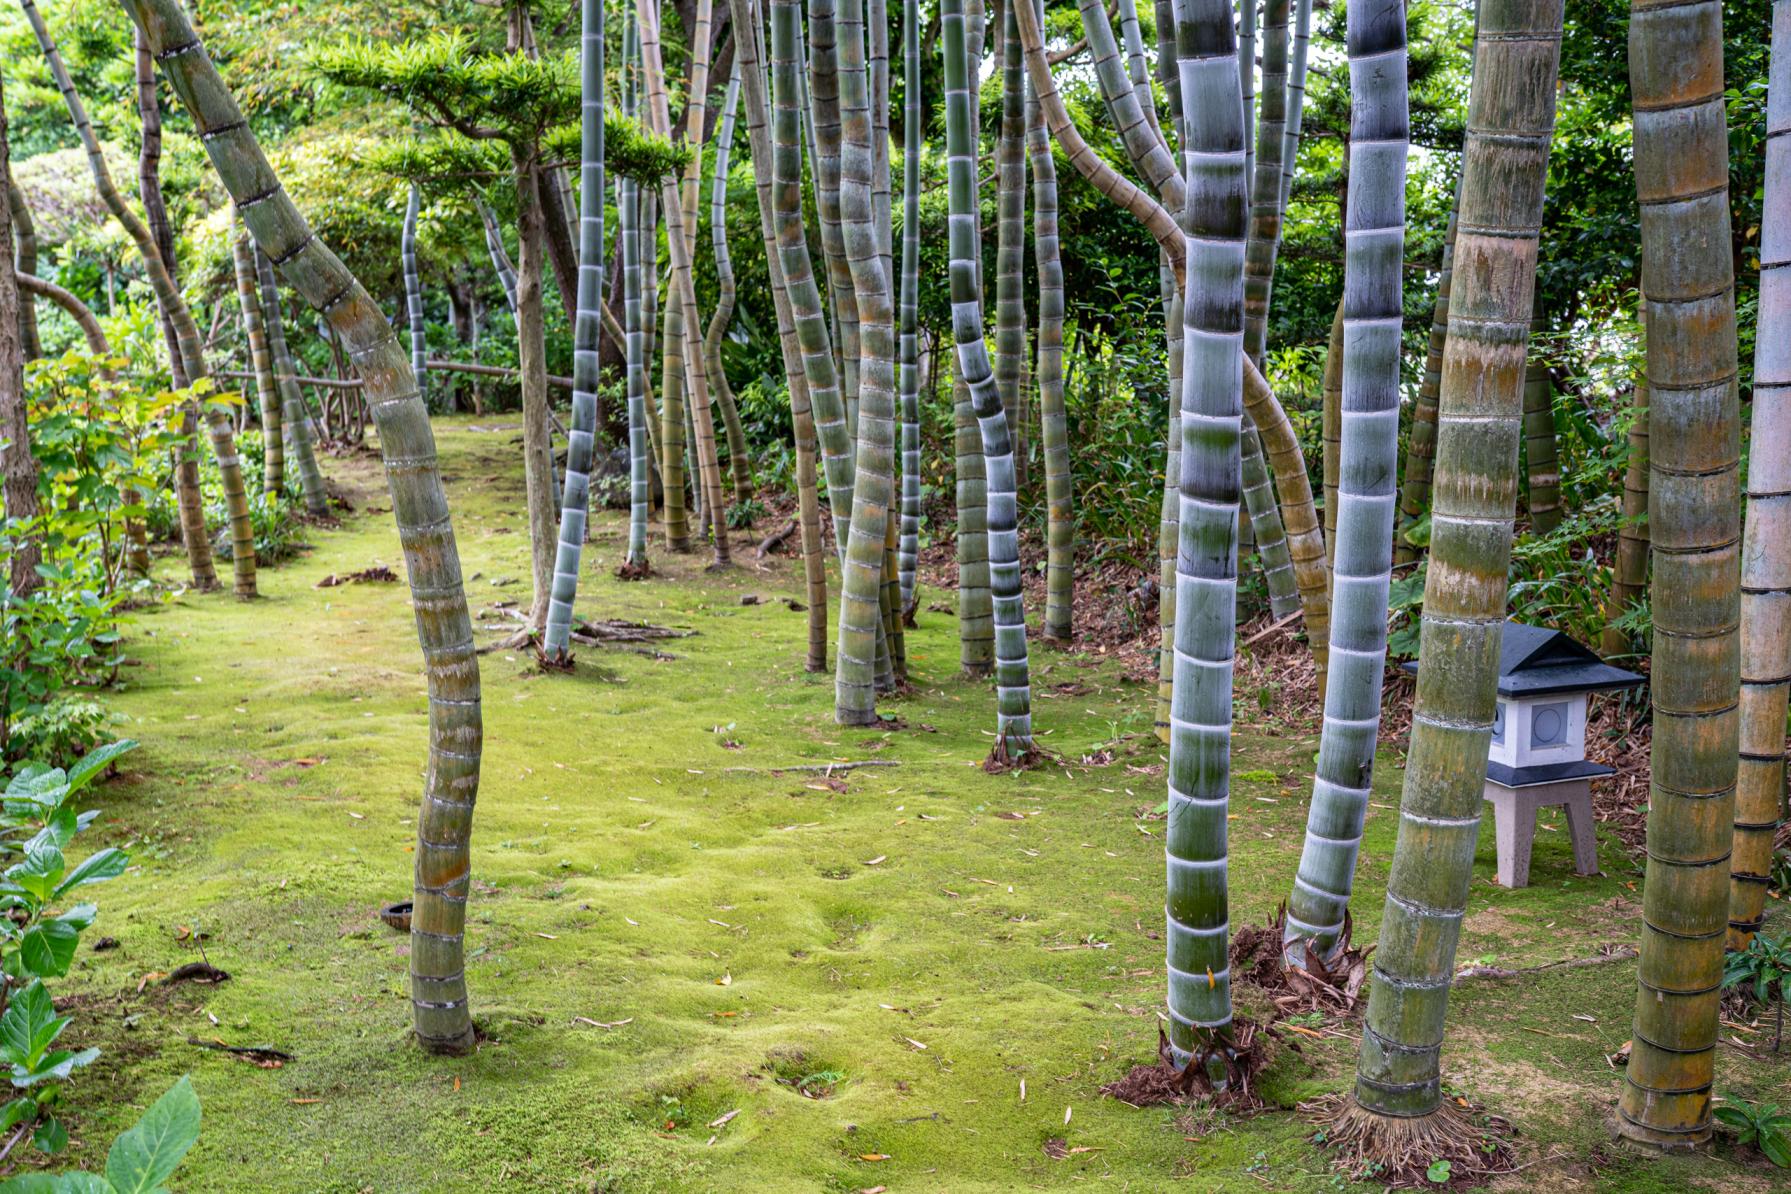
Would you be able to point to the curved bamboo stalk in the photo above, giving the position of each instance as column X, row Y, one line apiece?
column 1544, row 470
column 1682, row 185
column 976, row 608
column 1305, row 540
column 25, row 245
column 587, row 337
column 753, row 58
column 1414, row 496
column 1198, row 916
column 1368, row 469
column 190, row 353
column 1013, row 727
column 295, row 420
column 73, row 307
column 1505, row 162
column 413, row 293
column 500, row 258
column 873, row 486
column 438, row 982
column 908, row 378
column 739, row 463
column 1060, row 518
column 267, row 390
column 1766, row 549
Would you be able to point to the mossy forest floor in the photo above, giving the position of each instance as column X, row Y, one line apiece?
column 697, row 975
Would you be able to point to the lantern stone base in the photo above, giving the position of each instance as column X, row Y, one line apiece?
column 1514, row 816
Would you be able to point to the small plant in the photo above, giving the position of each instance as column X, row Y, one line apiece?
column 37, row 822
column 142, row 1158
column 741, row 515
column 1763, row 972
column 1438, row 1173
column 1762, row 1125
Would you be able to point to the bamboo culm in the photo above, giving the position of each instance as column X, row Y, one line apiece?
column 413, row 293
column 1479, row 422
column 1060, row 524
column 908, row 375
column 587, row 336
column 1013, row 729
column 295, row 420
column 267, row 390
column 442, row 1018
column 739, row 463
column 1694, row 502
column 1766, row 548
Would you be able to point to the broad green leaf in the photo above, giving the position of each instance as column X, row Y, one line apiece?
column 57, row 1066
column 82, row 1183
column 29, row 1026
column 33, row 1183
column 35, row 786
column 51, row 1137
column 1777, row 1147
column 39, row 873
column 48, row 947
column 17, row 1112
column 144, row 1157
column 57, row 832
column 96, row 760
column 95, row 868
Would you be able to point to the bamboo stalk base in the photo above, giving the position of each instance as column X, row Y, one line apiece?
column 1396, row 1151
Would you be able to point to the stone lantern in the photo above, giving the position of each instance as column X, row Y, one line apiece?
column 1538, row 753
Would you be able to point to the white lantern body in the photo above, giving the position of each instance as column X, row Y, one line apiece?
column 1539, row 731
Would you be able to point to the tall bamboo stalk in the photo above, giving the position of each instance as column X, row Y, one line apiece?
column 908, row 377
column 413, row 293
column 640, row 451
column 295, row 420
column 587, row 335
column 1199, row 972
column 976, row 609
column 188, row 348
column 1060, row 524
column 1331, row 431
column 753, row 58
column 1766, row 549
column 1398, row 1092
column 1013, row 726
column 874, row 478
column 739, row 464
column 438, row 982
column 1682, row 184
column 1010, row 235
column 1629, row 572
column 1543, row 466
column 267, row 390
column 1266, row 180
column 824, row 102
column 1368, row 460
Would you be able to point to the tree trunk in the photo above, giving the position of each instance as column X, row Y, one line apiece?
column 18, row 467
column 1629, row 579
column 531, row 351
column 1505, row 162
column 1766, row 549
column 24, row 234
column 438, row 981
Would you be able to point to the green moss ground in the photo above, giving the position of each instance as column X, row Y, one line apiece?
column 927, row 939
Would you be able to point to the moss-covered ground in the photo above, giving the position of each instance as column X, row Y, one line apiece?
column 697, row 975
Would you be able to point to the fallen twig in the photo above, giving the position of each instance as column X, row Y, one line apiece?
column 1272, row 627
column 775, row 539
column 824, row 768
column 259, row 1053
column 1618, row 954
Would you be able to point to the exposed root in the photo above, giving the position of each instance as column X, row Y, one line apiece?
column 548, row 663
column 1457, row 1145
column 1002, row 758
column 640, row 571
column 1334, row 986
column 1243, row 1054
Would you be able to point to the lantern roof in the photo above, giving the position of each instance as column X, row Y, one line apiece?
column 1537, row 661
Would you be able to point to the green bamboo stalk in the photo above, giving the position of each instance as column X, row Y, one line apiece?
column 295, row 420
column 189, row 350
column 1266, row 179
column 413, row 293
column 908, row 377
column 818, row 361
column 739, row 464
column 1544, row 470
column 1331, row 433
column 438, row 982
column 824, row 104
column 500, row 258
column 1682, row 178
column 1414, row 496
column 1766, row 549
column 1169, row 514
column 1198, row 918
column 1629, row 572
column 1013, row 727
column 1010, row 235
column 1505, row 162
column 1246, row 44
column 1060, row 518
column 267, row 391
column 874, row 472
column 587, row 336
column 640, row 451
column 1368, row 459
column 754, row 95
column 976, row 609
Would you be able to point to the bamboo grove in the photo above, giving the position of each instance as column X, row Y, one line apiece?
column 1006, row 124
